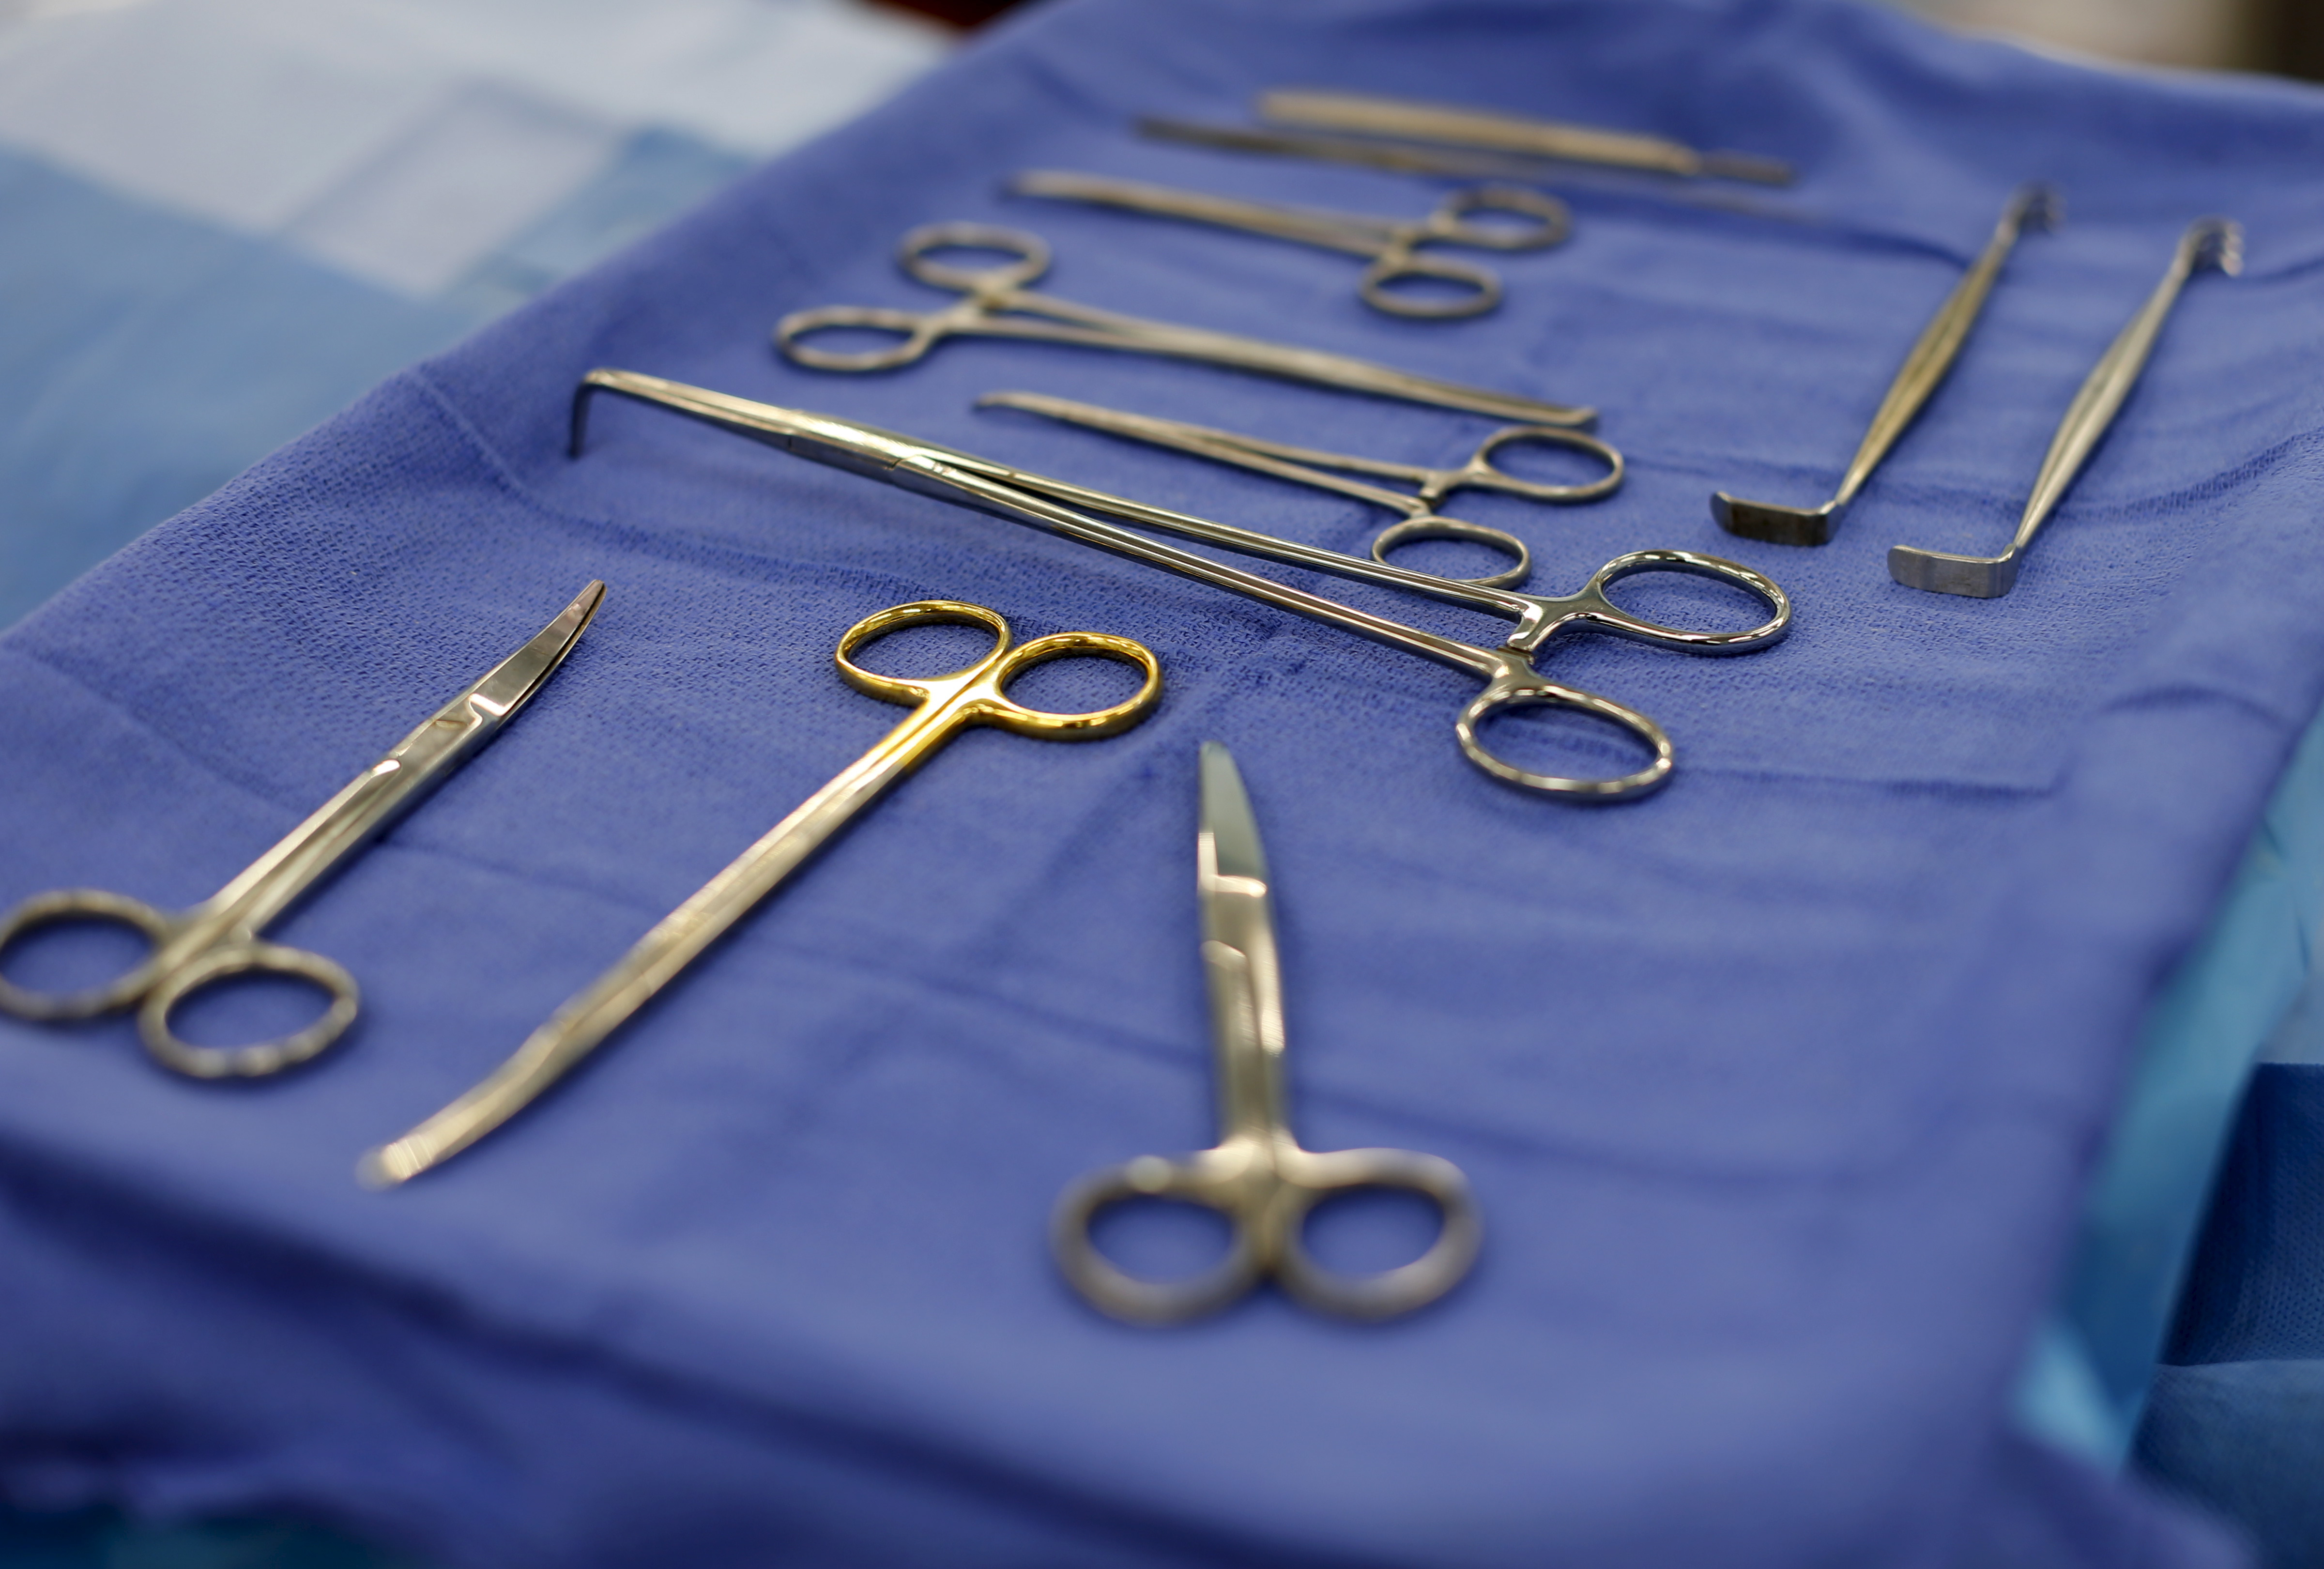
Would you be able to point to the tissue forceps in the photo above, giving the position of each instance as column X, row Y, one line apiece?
column 1258, row 1175
column 1931, row 357
column 219, row 938
column 2206, row 242
column 998, row 305
column 1305, row 466
column 1390, row 244
column 1510, row 681
column 941, row 707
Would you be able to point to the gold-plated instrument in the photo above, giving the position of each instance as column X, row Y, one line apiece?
column 941, row 707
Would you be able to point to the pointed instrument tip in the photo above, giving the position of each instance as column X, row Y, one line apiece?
column 389, row 1166
column 1228, row 823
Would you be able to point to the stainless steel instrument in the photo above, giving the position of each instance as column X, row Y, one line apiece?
column 998, row 305
column 1256, row 1175
column 1392, row 246
column 1509, row 679
column 219, row 938
column 1455, row 126
column 2207, row 243
column 942, row 708
column 1933, row 355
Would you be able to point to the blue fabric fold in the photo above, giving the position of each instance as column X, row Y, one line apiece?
column 1779, row 1090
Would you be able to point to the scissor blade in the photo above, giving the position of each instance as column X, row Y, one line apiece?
column 1229, row 849
column 508, row 685
column 1240, row 966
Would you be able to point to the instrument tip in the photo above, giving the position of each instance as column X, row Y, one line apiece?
column 389, row 1166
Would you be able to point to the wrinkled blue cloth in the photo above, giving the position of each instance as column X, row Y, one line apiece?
column 1779, row 1090
column 2237, row 1414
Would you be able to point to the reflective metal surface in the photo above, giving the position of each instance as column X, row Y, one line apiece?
column 1939, row 344
column 998, row 306
column 2206, row 242
column 1391, row 246
column 1256, row 1175
column 1510, row 681
column 218, row 938
column 1459, row 127
column 941, row 707
column 1305, row 466
column 1459, row 164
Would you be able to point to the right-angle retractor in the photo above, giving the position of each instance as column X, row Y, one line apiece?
column 2031, row 207
column 2208, row 241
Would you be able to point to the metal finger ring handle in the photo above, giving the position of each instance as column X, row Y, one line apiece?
column 1092, row 726
column 1481, row 470
column 1392, row 1292
column 267, row 1056
column 1553, row 219
column 918, row 332
column 917, row 253
column 1114, row 1291
column 1613, row 618
column 1437, row 528
column 920, row 613
column 1505, row 695
column 70, row 904
column 1483, row 290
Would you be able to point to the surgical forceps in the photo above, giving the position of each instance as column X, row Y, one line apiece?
column 1390, row 244
column 1453, row 126
column 1256, row 1175
column 998, row 305
column 2206, row 242
column 1305, row 466
column 1510, row 681
column 1932, row 356
column 941, row 707
column 219, row 938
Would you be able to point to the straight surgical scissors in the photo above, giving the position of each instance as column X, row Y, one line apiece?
column 1507, row 670
column 1392, row 246
column 219, row 938
column 998, row 305
column 1306, row 466
column 1256, row 1175
column 941, row 707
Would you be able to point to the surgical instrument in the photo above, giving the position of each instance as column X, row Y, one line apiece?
column 1510, row 681
column 218, row 938
column 1390, row 244
column 941, row 707
column 1305, row 466
column 1448, row 163
column 2207, row 243
column 998, row 306
column 1933, row 355
column 1502, row 132
column 1256, row 1175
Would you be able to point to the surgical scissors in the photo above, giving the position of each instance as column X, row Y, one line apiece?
column 1392, row 246
column 941, row 707
column 998, row 305
column 1256, row 1175
column 219, row 938
column 1510, row 679
column 1305, row 466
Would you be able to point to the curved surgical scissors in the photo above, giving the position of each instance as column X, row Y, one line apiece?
column 1256, row 1175
column 218, row 938
column 1508, row 671
column 998, row 305
column 941, row 707
column 1392, row 246
column 1306, row 466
